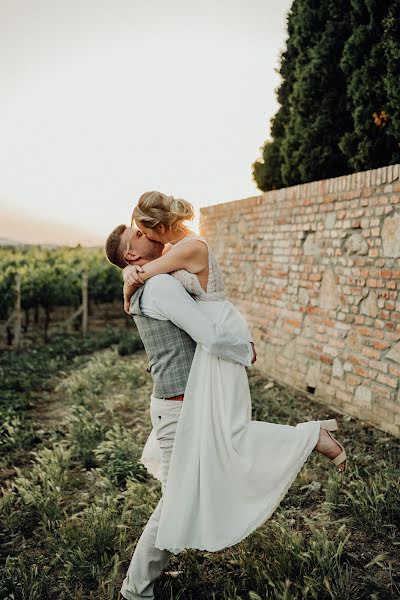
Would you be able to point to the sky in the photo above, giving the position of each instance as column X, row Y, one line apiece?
column 102, row 100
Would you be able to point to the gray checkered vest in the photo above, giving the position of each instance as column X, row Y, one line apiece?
column 169, row 349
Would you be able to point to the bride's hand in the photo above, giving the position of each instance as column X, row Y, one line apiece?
column 131, row 275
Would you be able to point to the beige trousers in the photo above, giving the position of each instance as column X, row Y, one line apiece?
column 148, row 562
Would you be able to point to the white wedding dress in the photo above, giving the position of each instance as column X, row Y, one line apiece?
column 227, row 473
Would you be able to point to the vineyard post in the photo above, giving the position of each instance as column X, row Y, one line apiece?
column 18, row 315
column 84, row 302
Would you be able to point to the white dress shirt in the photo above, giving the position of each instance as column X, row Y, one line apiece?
column 165, row 298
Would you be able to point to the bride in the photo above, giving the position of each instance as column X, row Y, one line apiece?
column 227, row 473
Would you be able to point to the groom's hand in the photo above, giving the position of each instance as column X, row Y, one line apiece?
column 127, row 303
column 253, row 360
column 128, row 291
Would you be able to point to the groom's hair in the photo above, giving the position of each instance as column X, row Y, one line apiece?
column 113, row 248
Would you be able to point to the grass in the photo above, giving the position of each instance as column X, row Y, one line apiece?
column 74, row 505
column 30, row 373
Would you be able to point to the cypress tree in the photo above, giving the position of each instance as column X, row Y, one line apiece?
column 340, row 93
column 318, row 115
column 267, row 171
column 372, row 91
column 391, row 48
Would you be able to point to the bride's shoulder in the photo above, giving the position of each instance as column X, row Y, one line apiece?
column 194, row 244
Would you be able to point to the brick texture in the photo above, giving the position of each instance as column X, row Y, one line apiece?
column 315, row 269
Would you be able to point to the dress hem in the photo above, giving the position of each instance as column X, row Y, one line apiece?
column 258, row 522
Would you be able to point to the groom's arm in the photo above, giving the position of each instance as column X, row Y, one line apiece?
column 165, row 298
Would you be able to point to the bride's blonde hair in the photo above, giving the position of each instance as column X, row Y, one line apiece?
column 155, row 207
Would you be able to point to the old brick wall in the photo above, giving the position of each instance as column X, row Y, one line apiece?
column 315, row 269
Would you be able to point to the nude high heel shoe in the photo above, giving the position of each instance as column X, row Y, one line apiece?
column 340, row 458
column 331, row 425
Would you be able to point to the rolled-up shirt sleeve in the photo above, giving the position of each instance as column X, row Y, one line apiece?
column 165, row 297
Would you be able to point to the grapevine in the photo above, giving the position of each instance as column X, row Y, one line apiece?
column 52, row 277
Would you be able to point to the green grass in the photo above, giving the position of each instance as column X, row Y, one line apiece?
column 74, row 507
column 25, row 375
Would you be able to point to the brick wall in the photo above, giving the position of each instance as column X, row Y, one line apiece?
column 315, row 269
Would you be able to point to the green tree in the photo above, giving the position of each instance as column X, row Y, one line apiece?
column 391, row 48
column 340, row 93
column 370, row 143
column 267, row 171
column 318, row 117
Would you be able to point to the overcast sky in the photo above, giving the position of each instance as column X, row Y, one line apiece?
column 102, row 100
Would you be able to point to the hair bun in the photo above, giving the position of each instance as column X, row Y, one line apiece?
column 182, row 208
column 155, row 207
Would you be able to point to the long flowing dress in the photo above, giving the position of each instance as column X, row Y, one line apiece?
column 227, row 473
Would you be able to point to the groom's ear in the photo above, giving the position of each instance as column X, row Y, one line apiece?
column 129, row 255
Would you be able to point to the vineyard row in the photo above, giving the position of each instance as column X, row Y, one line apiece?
column 47, row 278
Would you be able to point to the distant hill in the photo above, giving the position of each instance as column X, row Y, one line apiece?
column 15, row 243
column 8, row 242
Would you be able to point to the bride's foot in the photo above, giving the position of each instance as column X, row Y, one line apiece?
column 327, row 446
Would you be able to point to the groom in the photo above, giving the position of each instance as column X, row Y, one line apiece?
column 170, row 324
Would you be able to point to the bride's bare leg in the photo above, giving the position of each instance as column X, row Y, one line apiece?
column 328, row 447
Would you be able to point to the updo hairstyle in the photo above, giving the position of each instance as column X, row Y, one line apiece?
column 155, row 207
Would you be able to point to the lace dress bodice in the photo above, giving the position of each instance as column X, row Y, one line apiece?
column 190, row 281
